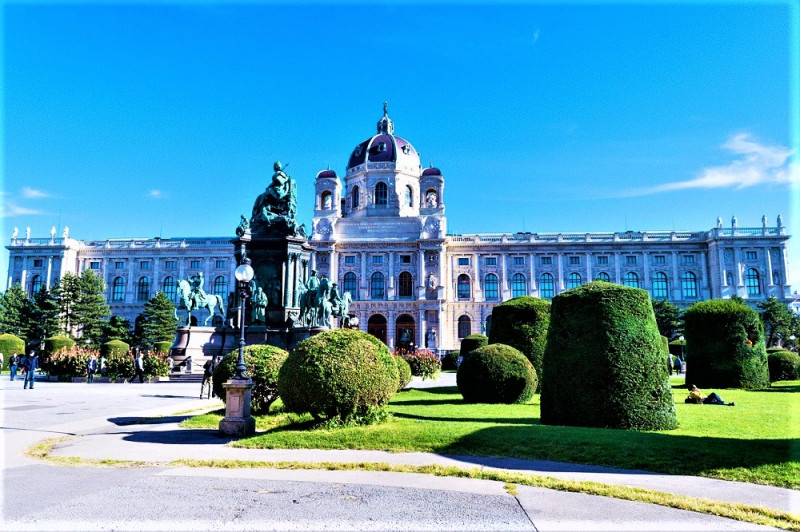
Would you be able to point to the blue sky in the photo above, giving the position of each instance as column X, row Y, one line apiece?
column 146, row 119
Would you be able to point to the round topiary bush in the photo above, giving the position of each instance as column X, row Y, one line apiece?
column 472, row 342
column 424, row 363
column 341, row 374
column 403, row 372
column 263, row 363
column 162, row 347
column 496, row 373
column 725, row 346
column 783, row 366
column 522, row 323
column 57, row 343
column 604, row 363
column 677, row 348
column 11, row 345
column 450, row 360
column 114, row 347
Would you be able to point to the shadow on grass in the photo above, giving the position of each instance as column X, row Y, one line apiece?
column 427, row 402
column 502, row 420
column 439, row 390
column 790, row 389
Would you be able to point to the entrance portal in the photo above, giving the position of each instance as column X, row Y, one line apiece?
column 405, row 332
column 376, row 326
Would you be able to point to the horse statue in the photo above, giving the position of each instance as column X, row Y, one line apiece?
column 187, row 302
column 315, row 305
column 341, row 309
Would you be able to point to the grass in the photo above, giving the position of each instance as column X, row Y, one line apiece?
column 756, row 441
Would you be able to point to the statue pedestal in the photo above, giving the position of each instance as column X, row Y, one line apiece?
column 202, row 343
column 237, row 421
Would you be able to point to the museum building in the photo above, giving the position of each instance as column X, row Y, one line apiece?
column 382, row 236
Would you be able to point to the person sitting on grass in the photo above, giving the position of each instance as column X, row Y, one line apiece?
column 696, row 396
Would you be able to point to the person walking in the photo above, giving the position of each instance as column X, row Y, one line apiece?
column 31, row 363
column 91, row 369
column 2, row 361
column 13, row 361
column 138, row 367
column 208, row 378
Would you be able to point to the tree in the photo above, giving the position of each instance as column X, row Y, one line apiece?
column 46, row 317
column 16, row 312
column 117, row 328
column 669, row 318
column 777, row 319
column 82, row 306
column 157, row 322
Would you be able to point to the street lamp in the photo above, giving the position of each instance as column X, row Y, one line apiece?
column 244, row 274
column 792, row 337
column 683, row 340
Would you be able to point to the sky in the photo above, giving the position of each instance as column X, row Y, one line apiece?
column 153, row 119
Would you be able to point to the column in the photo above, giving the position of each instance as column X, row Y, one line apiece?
column 390, row 294
column 616, row 268
column 421, row 329
column 704, row 276
column 49, row 271
column 24, row 276
column 769, row 266
column 443, row 272
column 363, row 284
column 532, row 270
column 647, row 285
column 504, row 294
column 676, row 280
column 131, row 286
column 560, row 258
column 476, row 281
column 157, row 281
column 334, row 266
column 285, row 275
column 589, row 277
column 421, row 274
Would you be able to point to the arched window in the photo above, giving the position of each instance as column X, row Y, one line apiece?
column 632, row 280
column 518, row 288
column 490, row 286
column 36, row 284
column 404, row 283
column 752, row 282
column 409, row 196
column 143, row 289
column 350, row 284
column 354, row 199
column 463, row 290
column 377, row 290
column 689, row 285
column 169, row 288
column 574, row 280
column 376, row 326
column 546, row 286
column 118, row 289
column 405, row 332
column 221, row 287
column 603, row 276
column 464, row 327
column 381, row 194
column 660, row 288
column 325, row 201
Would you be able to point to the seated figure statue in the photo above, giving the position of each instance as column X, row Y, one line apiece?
column 276, row 207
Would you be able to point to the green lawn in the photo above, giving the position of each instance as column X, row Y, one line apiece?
column 758, row 440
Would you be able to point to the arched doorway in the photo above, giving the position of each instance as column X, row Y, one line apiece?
column 376, row 326
column 405, row 332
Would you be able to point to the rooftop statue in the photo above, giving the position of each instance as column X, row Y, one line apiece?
column 274, row 210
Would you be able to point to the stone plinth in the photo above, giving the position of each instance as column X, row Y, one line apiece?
column 237, row 421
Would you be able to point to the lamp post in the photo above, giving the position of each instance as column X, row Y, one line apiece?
column 244, row 274
column 792, row 337
column 683, row 340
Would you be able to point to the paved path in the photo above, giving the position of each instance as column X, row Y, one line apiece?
column 156, row 498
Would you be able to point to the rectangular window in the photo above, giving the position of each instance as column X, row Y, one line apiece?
column 463, row 261
column 145, row 264
column 519, row 261
column 37, row 263
column 377, row 259
column 220, row 264
column 119, row 265
column 630, row 260
column 491, row 261
column 688, row 259
column 349, row 259
column 659, row 259
column 547, row 260
column 170, row 264
column 602, row 259
column 574, row 260
column 95, row 265
column 194, row 264
column 405, row 259
column 751, row 255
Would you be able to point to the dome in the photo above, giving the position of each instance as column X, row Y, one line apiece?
column 384, row 147
column 326, row 173
column 431, row 171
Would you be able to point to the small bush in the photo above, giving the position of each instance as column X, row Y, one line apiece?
column 775, row 349
column 496, row 373
column 424, row 364
column 65, row 363
column 472, row 342
column 783, row 366
column 117, row 347
column 119, row 365
column 155, row 365
column 403, row 372
column 57, row 343
column 450, row 360
column 263, row 363
column 162, row 347
column 342, row 375
column 11, row 345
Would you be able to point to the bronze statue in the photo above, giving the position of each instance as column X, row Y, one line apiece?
column 192, row 296
column 258, row 311
column 275, row 208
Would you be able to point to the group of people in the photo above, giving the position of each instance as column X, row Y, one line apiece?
column 25, row 364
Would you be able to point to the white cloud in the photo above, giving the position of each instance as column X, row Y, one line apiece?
column 155, row 193
column 12, row 209
column 28, row 192
column 535, row 36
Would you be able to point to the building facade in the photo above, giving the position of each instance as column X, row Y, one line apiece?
column 381, row 234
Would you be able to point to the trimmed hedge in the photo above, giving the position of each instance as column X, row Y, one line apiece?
column 65, row 363
column 604, row 362
column 262, row 363
column 403, row 372
column 473, row 342
column 423, row 364
column 116, row 347
column 450, row 360
column 496, row 373
column 11, row 345
column 718, row 332
column 522, row 323
column 57, row 343
column 783, row 366
column 341, row 374
column 162, row 347
column 677, row 348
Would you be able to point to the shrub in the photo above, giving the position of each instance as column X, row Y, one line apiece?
column 522, row 323
column 11, row 345
column 775, row 349
column 496, row 373
column 343, row 375
column 114, row 347
column 604, row 362
column 57, row 343
column 450, row 360
column 65, row 363
column 119, row 365
column 155, row 365
column 783, row 366
column 472, row 342
column 677, row 348
column 725, row 346
column 424, row 364
column 262, row 363
column 403, row 372
column 162, row 347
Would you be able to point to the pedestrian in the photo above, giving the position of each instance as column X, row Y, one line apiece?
column 678, row 366
column 31, row 363
column 669, row 364
column 91, row 369
column 208, row 378
column 13, row 360
column 102, row 365
column 698, row 397
column 2, row 360
column 138, row 367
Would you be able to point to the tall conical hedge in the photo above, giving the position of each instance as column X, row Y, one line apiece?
column 522, row 323
column 604, row 362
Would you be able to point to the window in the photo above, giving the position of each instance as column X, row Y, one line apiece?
column 144, row 264
column 354, row 198
column 170, row 289
column 349, row 284
column 630, row 260
column 751, row 255
column 574, row 280
column 377, row 286
column 381, row 194
column 409, row 196
column 547, row 260
column 37, row 263
column 119, row 265
column 603, row 276
column 491, row 261
column 490, row 286
column 660, row 289
column 405, row 259
column 118, row 289
column 404, row 282
column 518, row 288
column 143, row 289
column 220, row 264
column 518, row 261
column 463, row 290
column 688, row 259
column 170, row 265
column 221, row 287
column 94, row 265
column 631, row 279
column 689, row 285
column 752, row 282
column 546, row 286
column 36, row 284
column 377, row 259
column 659, row 259
column 325, row 201
column 574, row 260
column 464, row 327
column 463, row 261
column 350, row 259
column 602, row 259
column 194, row 264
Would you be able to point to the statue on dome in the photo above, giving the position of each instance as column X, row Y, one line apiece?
column 274, row 210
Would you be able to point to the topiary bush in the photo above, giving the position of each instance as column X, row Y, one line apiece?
column 522, row 323
column 57, row 343
column 783, row 366
column 424, row 364
column 403, row 372
column 677, row 348
column 472, row 342
column 263, row 363
column 725, row 346
column 162, row 347
column 117, row 347
column 342, row 375
column 604, row 361
column 496, row 373
column 11, row 345
column 450, row 360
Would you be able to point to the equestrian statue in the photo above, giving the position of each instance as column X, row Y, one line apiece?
column 193, row 297
column 319, row 300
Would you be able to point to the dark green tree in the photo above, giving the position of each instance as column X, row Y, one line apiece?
column 82, row 306
column 157, row 322
column 669, row 318
column 65, row 292
column 117, row 328
column 16, row 312
column 46, row 316
column 777, row 319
